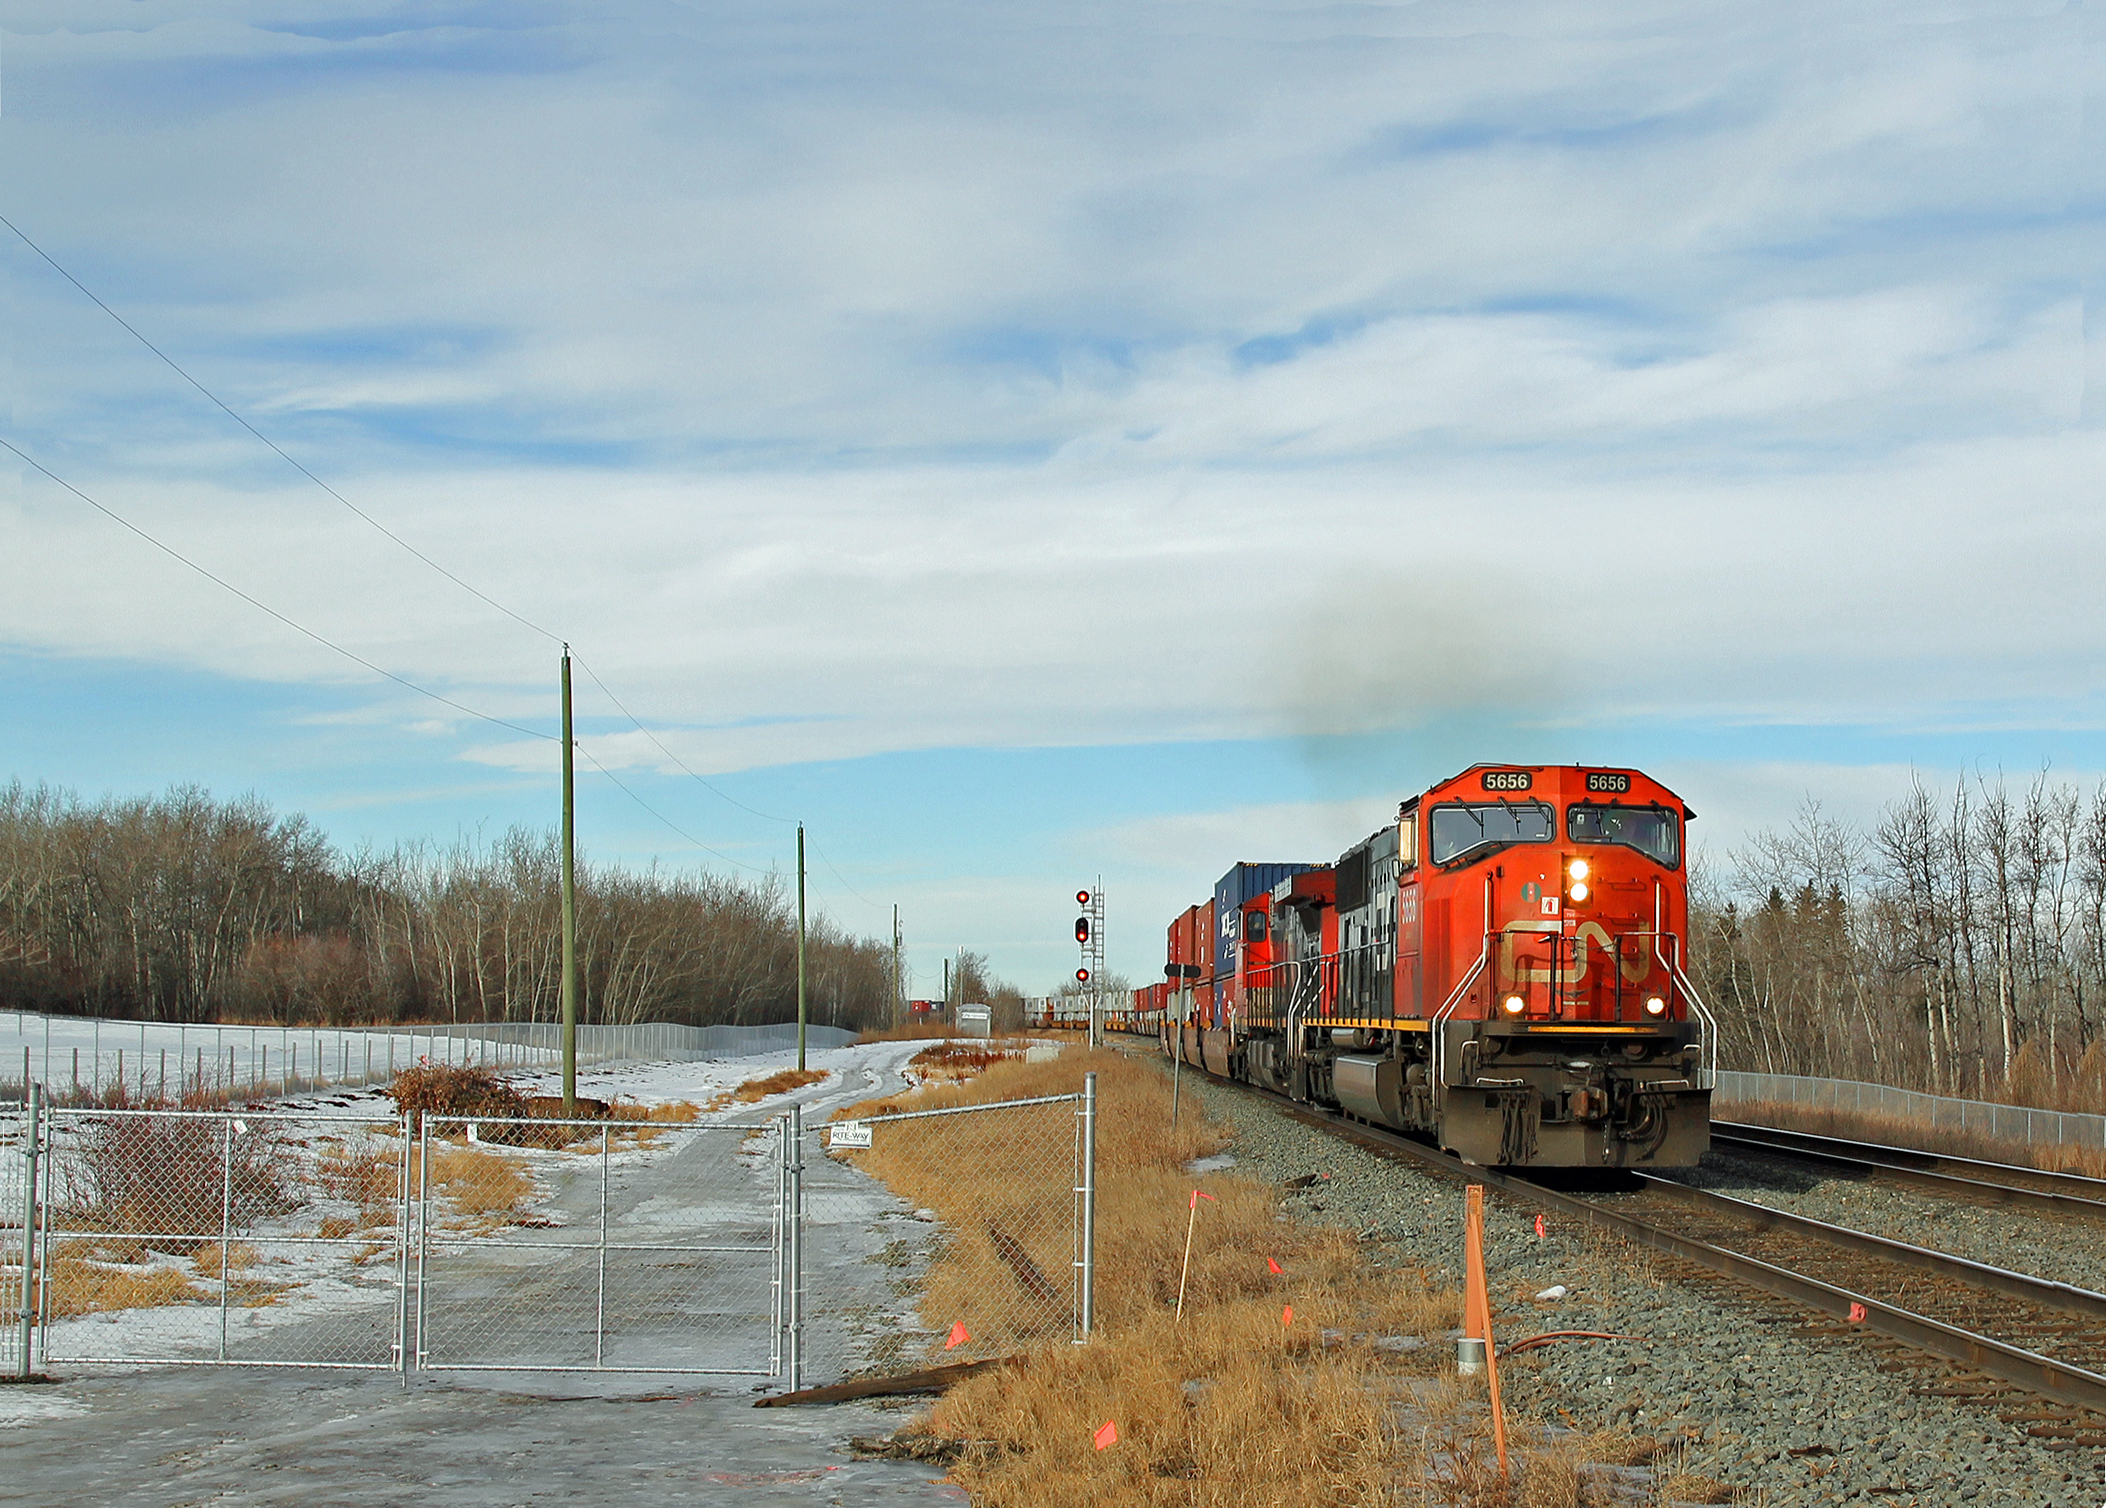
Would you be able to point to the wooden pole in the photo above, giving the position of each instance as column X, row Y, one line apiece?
column 1191, row 1222
column 570, row 910
column 800, row 947
column 1477, row 1310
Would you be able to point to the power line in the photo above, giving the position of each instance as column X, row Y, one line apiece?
column 669, row 754
column 466, row 586
column 220, row 581
column 829, row 863
column 215, row 399
column 661, row 816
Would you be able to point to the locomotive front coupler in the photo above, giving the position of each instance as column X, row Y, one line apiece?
column 1585, row 1098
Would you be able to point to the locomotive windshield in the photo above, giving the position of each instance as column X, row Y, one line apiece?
column 1653, row 830
column 1454, row 831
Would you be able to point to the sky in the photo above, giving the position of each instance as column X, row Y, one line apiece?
column 1043, row 444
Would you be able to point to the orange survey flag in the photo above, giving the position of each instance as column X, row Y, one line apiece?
column 1273, row 1263
column 1107, row 1436
column 1287, row 1315
column 1197, row 1195
column 958, row 1337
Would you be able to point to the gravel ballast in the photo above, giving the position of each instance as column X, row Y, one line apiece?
column 1763, row 1402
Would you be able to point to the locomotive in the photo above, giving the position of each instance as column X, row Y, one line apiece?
column 1501, row 969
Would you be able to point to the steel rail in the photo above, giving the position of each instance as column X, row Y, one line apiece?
column 1974, row 1274
column 1990, row 1182
column 2012, row 1364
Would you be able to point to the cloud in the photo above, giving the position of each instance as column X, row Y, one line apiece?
column 862, row 379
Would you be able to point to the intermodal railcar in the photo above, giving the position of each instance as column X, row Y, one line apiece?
column 1501, row 969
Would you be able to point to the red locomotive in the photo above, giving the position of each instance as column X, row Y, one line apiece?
column 1501, row 968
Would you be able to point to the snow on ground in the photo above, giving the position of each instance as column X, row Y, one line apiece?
column 154, row 1059
column 30, row 1404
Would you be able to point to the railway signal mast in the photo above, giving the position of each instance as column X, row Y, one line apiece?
column 1089, row 936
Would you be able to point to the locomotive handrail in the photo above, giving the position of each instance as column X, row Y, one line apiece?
column 1707, row 1067
column 1447, row 1009
column 1707, row 1042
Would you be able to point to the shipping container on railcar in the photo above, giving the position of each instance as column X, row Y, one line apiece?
column 1502, row 968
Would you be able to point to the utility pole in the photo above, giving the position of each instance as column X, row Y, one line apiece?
column 800, row 947
column 570, row 907
column 899, row 983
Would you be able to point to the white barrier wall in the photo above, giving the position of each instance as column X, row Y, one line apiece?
column 2011, row 1122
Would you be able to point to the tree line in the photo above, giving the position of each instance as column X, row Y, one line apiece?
column 1957, row 945
column 180, row 907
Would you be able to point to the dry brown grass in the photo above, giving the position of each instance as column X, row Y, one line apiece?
column 1921, row 1135
column 917, row 1032
column 480, row 1182
column 240, row 1257
column 369, row 1177
column 961, row 1059
column 755, row 1090
column 1230, row 1406
column 81, row 1286
column 88, row 1276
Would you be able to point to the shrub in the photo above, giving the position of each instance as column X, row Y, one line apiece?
column 442, row 1089
column 172, row 1176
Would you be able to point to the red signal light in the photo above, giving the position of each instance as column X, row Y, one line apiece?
column 1082, row 976
column 1082, row 897
column 1082, row 929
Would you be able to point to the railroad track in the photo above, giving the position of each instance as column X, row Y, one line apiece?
column 1963, row 1178
column 2033, row 1350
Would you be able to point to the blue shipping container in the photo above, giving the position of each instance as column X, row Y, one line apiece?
column 1234, row 888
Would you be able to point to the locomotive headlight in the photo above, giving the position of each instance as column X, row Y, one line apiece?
column 1655, row 1006
column 1513, row 1005
column 1578, row 890
column 1577, row 869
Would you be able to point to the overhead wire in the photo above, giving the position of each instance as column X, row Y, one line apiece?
column 221, row 405
column 661, row 816
column 669, row 754
column 466, row 586
column 829, row 863
column 264, row 607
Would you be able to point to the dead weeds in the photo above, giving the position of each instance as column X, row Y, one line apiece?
column 755, row 1090
column 1316, row 1384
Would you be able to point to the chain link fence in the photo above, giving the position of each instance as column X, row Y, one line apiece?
column 88, row 1059
column 924, row 1244
column 766, row 1248
column 1983, row 1117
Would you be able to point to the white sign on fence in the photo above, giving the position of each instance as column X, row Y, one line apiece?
column 848, row 1134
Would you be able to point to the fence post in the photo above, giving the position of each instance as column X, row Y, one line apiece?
column 782, row 1194
column 1086, row 1294
column 407, row 1182
column 33, row 1097
column 793, row 1300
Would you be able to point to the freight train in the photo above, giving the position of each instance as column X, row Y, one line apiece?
column 1502, row 969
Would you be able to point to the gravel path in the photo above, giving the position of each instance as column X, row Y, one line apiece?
column 1764, row 1402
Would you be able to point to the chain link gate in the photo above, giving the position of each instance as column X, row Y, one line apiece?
column 635, row 1246
column 263, row 1238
